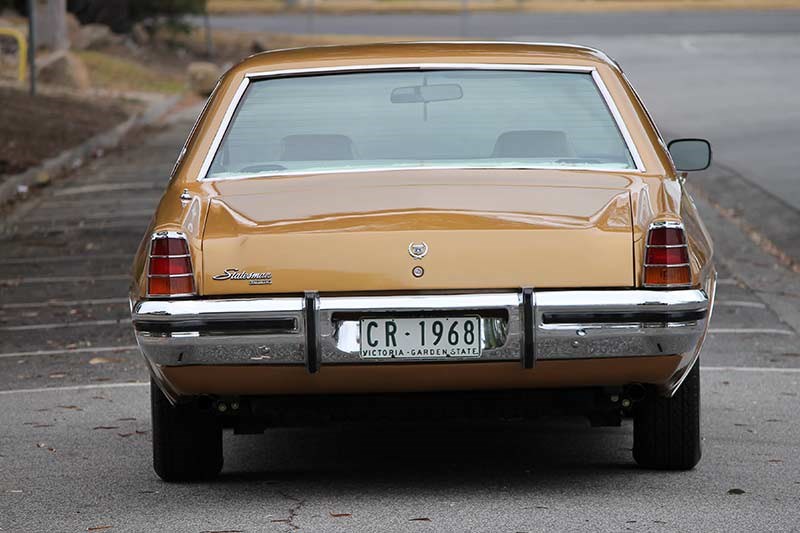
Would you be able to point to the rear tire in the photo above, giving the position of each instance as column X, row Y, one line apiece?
column 666, row 431
column 187, row 441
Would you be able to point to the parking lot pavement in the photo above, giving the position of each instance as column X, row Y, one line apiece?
column 74, row 448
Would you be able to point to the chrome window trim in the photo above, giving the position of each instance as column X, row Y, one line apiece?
column 387, row 67
column 623, row 129
column 223, row 128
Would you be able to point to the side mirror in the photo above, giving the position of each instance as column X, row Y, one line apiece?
column 690, row 154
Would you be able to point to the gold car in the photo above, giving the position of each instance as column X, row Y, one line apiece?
column 471, row 229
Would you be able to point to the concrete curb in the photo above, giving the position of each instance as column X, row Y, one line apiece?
column 17, row 185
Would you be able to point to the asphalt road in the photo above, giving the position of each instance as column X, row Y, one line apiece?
column 503, row 25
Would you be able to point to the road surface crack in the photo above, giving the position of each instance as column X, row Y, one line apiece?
column 294, row 510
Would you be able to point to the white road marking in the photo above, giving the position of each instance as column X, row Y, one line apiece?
column 740, row 303
column 91, row 216
column 61, row 258
column 64, row 279
column 751, row 331
column 105, row 187
column 30, row 327
column 687, row 45
column 102, row 349
column 64, row 303
column 77, row 387
column 750, row 369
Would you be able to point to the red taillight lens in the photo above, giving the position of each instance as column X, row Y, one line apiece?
column 666, row 236
column 666, row 258
column 170, row 266
column 165, row 266
column 169, row 246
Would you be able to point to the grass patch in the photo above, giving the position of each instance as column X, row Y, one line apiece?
column 118, row 73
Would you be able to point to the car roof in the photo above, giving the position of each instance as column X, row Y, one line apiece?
column 479, row 52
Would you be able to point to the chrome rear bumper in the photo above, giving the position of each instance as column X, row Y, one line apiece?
column 318, row 330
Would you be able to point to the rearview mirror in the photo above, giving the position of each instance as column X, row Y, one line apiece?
column 419, row 94
column 690, row 154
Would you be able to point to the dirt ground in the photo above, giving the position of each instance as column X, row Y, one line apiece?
column 51, row 124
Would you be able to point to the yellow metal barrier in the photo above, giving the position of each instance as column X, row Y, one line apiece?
column 22, row 49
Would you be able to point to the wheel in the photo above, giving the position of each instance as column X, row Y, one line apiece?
column 666, row 431
column 187, row 441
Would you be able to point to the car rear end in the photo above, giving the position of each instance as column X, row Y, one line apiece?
column 328, row 276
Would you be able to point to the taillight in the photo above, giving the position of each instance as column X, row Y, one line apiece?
column 169, row 270
column 666, row 256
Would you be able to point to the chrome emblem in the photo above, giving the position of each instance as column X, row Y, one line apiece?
column 255, row 278
column 418, row 250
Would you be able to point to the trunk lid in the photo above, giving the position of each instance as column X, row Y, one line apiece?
column 484, row 229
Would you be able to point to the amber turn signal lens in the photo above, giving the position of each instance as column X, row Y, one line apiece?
column 170, row 286
column 663, row 275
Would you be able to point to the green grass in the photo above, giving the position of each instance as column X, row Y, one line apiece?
column 113, row 72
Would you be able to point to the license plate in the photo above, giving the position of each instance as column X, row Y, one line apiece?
column 420, row 338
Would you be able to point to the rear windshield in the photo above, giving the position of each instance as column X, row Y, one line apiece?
column 420, row 119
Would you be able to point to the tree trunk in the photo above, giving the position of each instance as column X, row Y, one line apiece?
column 51, row 24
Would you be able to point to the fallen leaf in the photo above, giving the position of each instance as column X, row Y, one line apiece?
column 736, row 491
column 98, row 528
column 106, row 427
column 103, row 360
column 421, row 519
column 340, row 515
